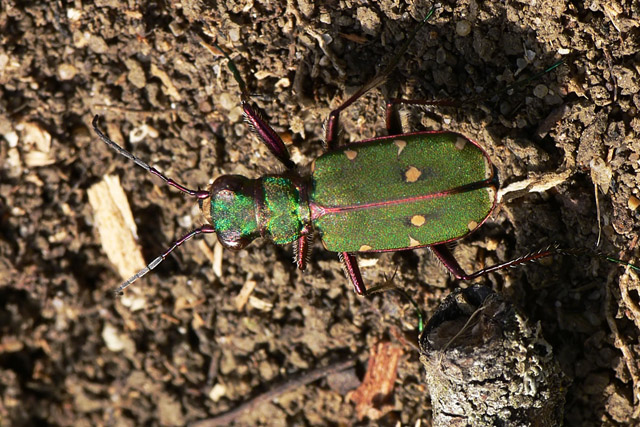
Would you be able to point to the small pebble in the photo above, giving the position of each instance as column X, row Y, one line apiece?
column 66, row 71
column 463, row 28
column 234, row 34
column 633, row 203
column 540, row 91
column 97, row 44
column 226, row 101
column 325, row 18
column 505, row 108
column 12, row 138
column 4, row 60
column 217, row 392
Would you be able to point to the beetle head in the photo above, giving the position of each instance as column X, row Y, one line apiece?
column 231, row 209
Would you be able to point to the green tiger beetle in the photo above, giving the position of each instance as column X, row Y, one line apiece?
column 397, row 192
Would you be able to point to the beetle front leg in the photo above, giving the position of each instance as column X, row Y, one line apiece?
column 351, row 269
column 266, row 134
column 253, row 116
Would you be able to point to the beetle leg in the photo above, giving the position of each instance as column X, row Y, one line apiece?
column 446, row 257
column 301, row 252
column 331, row 126
column 267, row 135
column 253, row 116
column 351, row 269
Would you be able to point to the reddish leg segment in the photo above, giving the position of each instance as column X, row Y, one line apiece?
column 446, row 257
column 351, row 269
column 301, row 252
column 266, row 134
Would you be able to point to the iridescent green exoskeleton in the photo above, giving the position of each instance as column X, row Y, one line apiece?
column 390, row 192
column 397, row 192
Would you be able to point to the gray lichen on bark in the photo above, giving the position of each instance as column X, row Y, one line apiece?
column 486, row 365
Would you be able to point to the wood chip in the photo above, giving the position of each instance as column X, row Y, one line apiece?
column 115, row 224
column 36, row 145
column 260, row 304
column 217, row 259
column 242, row 298
column 373, row 396
column 169, row 88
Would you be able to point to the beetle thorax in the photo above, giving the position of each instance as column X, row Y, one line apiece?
column 242, row 209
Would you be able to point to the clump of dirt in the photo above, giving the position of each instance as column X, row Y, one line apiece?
column 179, row 346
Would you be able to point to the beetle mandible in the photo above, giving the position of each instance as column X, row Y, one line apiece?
column 397, row 192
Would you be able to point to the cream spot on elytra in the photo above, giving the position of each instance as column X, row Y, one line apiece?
column 400, row 144
column 418, row 220
column 351, row 154
column 412, row 174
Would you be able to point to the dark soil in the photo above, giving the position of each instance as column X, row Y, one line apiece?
column 144, row 64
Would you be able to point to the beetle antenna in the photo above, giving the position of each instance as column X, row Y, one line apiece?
column 153, row 264
column 200, row 194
